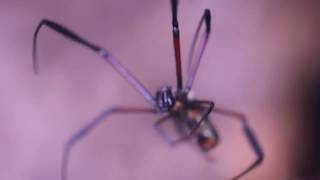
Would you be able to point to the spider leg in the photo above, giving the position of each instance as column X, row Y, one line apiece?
column 194, row 60
column 101, row 51
column 89, row 127
column 253, row 141
column 176, row 42
column 159, row 130
column 204, row 117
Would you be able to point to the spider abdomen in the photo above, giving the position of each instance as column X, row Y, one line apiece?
column 205, row 135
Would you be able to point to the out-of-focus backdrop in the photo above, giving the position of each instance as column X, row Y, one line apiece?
column 261, row 60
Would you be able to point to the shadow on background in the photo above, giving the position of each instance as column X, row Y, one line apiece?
column 307, row 165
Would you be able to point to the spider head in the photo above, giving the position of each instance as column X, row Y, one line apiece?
column 165, row 99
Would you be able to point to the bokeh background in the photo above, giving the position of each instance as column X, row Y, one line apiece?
column 262, row 59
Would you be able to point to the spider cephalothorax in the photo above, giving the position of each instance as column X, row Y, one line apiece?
column 165, row 99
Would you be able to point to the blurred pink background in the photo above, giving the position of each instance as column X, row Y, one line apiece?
column 256, row 51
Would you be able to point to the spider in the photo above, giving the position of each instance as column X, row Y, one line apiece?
column 190, row 116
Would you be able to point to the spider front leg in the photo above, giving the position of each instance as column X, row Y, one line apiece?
column 253, row 141
column 107, row 56
column 196, row 52
column 89, row 127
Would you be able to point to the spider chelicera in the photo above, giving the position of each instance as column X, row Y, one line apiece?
column 190, row 117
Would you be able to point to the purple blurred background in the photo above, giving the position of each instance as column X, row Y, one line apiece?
column 257, row 61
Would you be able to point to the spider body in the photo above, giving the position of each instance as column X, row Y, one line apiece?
column 189, row 116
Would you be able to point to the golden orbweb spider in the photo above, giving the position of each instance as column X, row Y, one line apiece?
column 190, row 117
